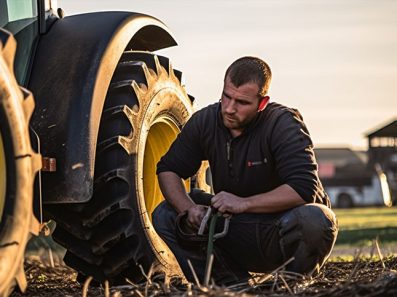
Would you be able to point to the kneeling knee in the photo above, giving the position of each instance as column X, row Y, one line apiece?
column 308, row 233
column 313, row 222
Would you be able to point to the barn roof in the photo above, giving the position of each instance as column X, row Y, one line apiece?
column 388, row 130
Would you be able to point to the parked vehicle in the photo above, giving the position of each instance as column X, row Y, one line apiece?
column 348, row 179
column 107, row 109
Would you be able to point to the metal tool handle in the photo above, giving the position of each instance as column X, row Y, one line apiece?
column 204, row 221
column 225, row 229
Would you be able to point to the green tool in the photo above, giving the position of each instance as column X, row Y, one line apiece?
column 212, row 236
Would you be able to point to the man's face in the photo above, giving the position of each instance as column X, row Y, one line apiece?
column 239, row 105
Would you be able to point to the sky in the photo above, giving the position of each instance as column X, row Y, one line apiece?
column 333, row 60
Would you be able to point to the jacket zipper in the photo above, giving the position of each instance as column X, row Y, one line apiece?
column 228, row 150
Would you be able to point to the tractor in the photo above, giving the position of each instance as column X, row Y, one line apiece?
column 86, row 112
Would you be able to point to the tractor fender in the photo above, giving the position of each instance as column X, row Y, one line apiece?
column 71, row 73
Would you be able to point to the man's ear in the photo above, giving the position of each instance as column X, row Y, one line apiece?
column 263, row 103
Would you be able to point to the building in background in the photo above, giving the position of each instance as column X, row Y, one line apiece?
column 382, row 150
column 362, row 178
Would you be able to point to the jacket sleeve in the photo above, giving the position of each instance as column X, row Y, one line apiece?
column 293, row 154
column 185, row 154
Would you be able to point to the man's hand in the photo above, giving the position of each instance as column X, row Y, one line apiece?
column 226, row 202
column 195, row 215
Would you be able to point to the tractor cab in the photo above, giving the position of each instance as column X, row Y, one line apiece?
column 26, row 19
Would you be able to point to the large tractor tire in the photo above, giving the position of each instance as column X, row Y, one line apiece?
column 18, row 165
column 111, row 237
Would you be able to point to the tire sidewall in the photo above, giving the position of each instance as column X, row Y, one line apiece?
column 17, row 214
column 170, row 101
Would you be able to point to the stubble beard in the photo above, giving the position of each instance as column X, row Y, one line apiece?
column 235, row 124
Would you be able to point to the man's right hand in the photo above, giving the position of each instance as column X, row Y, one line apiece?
column 175, row 193
column 196, row 214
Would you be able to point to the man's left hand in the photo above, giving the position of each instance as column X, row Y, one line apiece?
column 226, row 202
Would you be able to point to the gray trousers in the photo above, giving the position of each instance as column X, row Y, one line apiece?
column 256, row 242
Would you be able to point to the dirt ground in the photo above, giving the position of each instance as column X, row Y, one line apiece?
column 358, row 278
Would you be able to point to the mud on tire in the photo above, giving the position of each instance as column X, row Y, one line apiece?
column 111, row 237
column 18, row 165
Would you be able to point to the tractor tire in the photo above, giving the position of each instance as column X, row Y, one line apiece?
column 18, row 166
column 111, row 237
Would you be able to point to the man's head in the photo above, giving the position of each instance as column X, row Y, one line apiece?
column 250, row 69
column 246, row 83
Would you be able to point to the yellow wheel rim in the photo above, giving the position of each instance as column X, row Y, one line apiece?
column 160, row 137
column 2, row 177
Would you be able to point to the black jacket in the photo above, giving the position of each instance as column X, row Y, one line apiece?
column 274, row 149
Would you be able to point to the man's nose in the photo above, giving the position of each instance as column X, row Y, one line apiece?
column 230, row 107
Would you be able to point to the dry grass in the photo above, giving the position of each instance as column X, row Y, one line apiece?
column 361, row 277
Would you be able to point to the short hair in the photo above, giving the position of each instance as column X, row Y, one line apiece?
column 250, row 70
